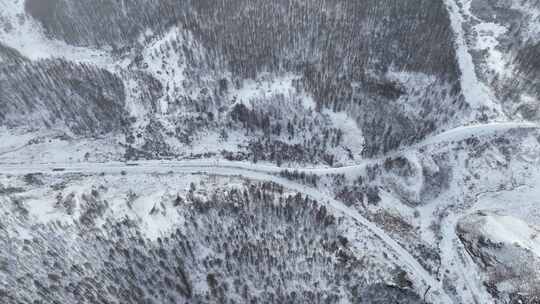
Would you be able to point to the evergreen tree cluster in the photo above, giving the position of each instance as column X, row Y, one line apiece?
column 303, row 138
column 342, row 50
column 238, row 246
column 51, row 93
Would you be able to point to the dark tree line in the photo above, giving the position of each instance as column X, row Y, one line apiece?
column 46, row 93
column 307, row 178
column 10, row 56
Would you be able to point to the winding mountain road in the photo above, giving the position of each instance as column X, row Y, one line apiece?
column 246, row 170
column 265, row 172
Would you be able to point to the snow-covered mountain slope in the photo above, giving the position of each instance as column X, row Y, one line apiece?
column 503, row 38
column 420, row 195
column 251, row 151
column 392, row 89
column 195, row 238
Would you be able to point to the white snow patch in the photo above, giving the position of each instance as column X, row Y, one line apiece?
column 521, row 203
column 55, row 146
column 352, row 134
column 133, row 197
column 212, row 142
column 26, row 35
column 488, row 35
column 13, row 140
column 511, row 230
column 266, row 87
column 476, row 130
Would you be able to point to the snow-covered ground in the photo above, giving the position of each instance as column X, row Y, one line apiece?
column 89, row 163
column 513, row 231
column 265, row 88
column 496, row 34
column 477, row 130
column 26, row 35
column 506, row 248
column 168, row 65
column 56, row 146
column 453, row 257
column 414, row 268
column 487, row 42
column 255, row 94
column 137, row 196
column 475, row 92
column 506, row 190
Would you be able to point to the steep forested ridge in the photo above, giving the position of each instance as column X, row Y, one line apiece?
column 342, row 50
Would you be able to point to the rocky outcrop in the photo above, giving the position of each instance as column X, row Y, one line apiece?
column 508, row 250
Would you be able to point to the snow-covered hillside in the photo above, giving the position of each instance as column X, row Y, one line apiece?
column 253, row 151
column 503, row 38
